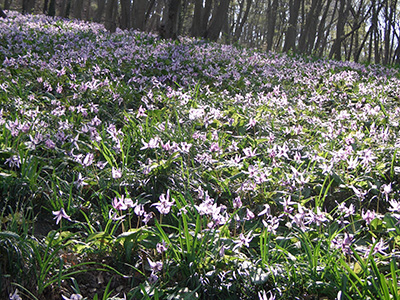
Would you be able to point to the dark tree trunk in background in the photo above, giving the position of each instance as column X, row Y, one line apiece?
column 88, row 10
column 101, row 4
column 78, row 9
column 169, row 26
column 52, row 8
column 217, row 21
column 200, row 18
column 125, row 14
column 111, row 15
column 45, row 6
column 7, row 4
column 307, row 37
column 271, row 19
column 290, row 39
column 28, row 6
column 336, row 50
column 139, row 10
column 197, row 18
column 65, row 8
column 154, row 22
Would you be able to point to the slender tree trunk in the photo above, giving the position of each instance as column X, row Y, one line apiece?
column 197, row 18
column 217, row 21
column 271, row 19
column 125, row 14
column 342, row 18
column 101, row 4
column 52, row 8
column 78, row 8
column 65, row 8
column 390, row 8
column 169, row 26
column 243, row 20
column 45, row 6
column 291, row 32
column 111, row 15
column 28, row 6
column 7, row 4
column 88, row 10
column 139, row 12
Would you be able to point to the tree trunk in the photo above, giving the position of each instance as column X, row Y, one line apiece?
column 154, row 22
column 336, row 50
column 125, row 14
column 65, row 8
column 88, row 10
column 291, row 32
column 139, row 10
column 307, row 38
column 169, row 26
column 7, row 4
column 271, row 19
column 101, row 4
column 52, row 8
column 197, row 19
column 45, row 6
column 78, row 8
column 28, row 6
column 217, row 21
column 111, row 15
column 243, row 20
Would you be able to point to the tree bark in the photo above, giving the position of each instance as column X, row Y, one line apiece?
column 169, row 26
column 78, row 8
column 125, row 14
column 243, row 20
column 307, row 38
column 28, row 6
column 139, row 10
column 101, row 4
column 271, row 19
column 111, row 15
column 45, row 6
column 197, row 19
column 291, row 32
column 7, row 4
column 52, row 8
column 217, row 21
column 342, row 18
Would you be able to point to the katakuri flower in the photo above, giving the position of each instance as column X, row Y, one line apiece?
column 61, row 214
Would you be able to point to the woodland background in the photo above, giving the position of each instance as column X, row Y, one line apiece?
column 357, row 30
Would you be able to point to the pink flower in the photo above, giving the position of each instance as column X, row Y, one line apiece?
column 61, row 214
column 368, row 216
column 116, row 173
